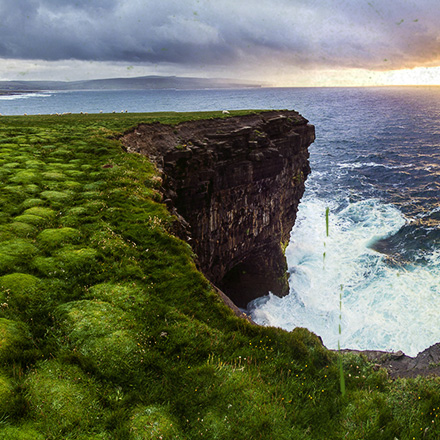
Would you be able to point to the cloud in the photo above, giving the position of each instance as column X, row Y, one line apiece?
column 209, row 34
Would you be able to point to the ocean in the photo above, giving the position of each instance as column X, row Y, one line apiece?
column 375, row 165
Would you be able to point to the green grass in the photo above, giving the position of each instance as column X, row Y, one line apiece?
column 108, row 331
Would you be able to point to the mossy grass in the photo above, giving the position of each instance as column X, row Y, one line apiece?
column 56, row 198
column 153, row 422
column 62, row 399
column 107, row 337
column 25, row 431
column 6, row 391
column 52, row 238
column 123, row 295
column 40, row 211
column 31, row 219
column 19, row 229
column 14, row 338
column 18, row 290
column 31, row 202
column 15, row 253
column 109, row 331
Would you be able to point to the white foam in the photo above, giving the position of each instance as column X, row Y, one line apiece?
column 354, row 165
column 23, row 96
column 385, row 306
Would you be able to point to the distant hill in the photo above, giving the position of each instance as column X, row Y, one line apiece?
column 138, row 83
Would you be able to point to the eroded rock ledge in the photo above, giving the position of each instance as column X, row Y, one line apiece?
column 398, row 364
column 237, row 183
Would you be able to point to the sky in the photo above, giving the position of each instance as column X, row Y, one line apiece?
column 270, row 42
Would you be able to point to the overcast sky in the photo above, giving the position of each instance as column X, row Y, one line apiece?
column 281, row 42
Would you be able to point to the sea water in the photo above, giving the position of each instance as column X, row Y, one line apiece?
column 375, row 166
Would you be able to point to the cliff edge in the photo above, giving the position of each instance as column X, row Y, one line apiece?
column 236, row 183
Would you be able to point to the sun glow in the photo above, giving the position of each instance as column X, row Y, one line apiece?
column 418, row 76
column 423, row 76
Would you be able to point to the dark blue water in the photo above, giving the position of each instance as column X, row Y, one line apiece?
column 376, row 165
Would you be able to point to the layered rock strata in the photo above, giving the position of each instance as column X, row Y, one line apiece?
column 237, row 183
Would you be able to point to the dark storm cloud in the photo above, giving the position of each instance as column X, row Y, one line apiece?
column 326, row 33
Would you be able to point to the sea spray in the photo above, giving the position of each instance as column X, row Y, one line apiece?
column 388, row 305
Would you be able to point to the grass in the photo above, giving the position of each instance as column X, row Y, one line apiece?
column 108, row 331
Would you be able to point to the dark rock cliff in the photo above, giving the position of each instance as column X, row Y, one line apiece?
column 237, row 183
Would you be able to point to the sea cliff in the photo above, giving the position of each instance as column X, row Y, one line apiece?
column 108, row 330
column 235, row 183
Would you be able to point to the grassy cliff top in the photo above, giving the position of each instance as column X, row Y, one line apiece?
column 108, row 331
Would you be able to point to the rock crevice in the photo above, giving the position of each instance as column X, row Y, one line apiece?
column 237, row 183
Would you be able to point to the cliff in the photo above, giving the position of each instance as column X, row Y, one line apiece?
column 236, row 184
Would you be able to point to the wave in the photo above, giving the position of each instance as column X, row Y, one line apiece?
column 373, row 164
column 24, row 96
column 386, row 304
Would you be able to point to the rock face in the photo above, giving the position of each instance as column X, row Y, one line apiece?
column 237, row 183
column 398, row 364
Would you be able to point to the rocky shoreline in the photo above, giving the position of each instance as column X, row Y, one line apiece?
column 398, row 364
column 235, row 184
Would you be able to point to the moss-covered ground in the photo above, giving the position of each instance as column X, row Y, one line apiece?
column 108, row 331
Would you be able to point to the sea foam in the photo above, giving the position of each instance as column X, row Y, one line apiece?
column 387, row 304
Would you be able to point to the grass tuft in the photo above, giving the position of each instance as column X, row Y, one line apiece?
column 105, row 336
column 46, row 213
column 153, row 422
column 6, row 392
column 14, row 338
column 52, row 238
column 31, row 219
column 22, row 432
column 62, row 399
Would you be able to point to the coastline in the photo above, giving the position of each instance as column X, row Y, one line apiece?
column 16, row 92
column 110, row 319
